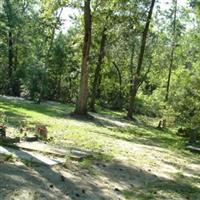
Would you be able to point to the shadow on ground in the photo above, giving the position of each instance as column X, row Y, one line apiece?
column 114, row 179
column 41, row 182
column 119, row 178
column 47, row 108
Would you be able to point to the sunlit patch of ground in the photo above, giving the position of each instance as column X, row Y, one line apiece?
column 132, row 160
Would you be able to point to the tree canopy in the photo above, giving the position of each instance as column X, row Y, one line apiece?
column 136, row 56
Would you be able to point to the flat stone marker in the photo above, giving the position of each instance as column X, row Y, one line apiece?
column 78, row 155
column 74, row 154
column 28, row 156
column 41, row 147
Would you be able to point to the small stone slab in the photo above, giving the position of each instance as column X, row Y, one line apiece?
column 78, row 155
column 191, row 148
column 74, row 154
column 28, row 156
column 41, row 147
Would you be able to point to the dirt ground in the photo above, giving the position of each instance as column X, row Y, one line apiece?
column 136, row 162
column 124, row 177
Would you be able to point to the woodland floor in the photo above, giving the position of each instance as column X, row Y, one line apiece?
column 131, row 160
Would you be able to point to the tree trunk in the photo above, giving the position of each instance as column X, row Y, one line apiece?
column 119, row 75
column 52, row 38
column 172, row 51
column 131, row 80
column 16, row 79
column 81, row 108
column 47, row 56
column 96, row 81
column 140, row 62
column 134, row 90
column 120, row 95
column 10, row 61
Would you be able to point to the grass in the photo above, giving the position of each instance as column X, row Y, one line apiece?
column 96, row 135
column 109, row 138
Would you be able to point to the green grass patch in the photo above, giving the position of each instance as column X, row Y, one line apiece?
column 90, row 134
column 108, row 139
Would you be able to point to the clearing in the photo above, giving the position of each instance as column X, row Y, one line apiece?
column 131, row 160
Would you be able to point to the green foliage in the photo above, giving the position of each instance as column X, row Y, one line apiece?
column 3, row 118
column 46, row 61
column 186, row 95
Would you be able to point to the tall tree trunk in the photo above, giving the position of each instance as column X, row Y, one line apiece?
column 52, row 37
column 140, row 62
column 59, row 87
column 119, row 75
column 173, row 48
column 8, row 11
column 96, row 81
column 131, row 79
column 10, row 61
column 81, row 108
column 16, row 79
column 120, row 95
column 46, row 61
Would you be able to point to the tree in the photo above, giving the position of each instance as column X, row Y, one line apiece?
column 11, row 22
column 98, row 68
column 140, row 62
column 81, row 108
column 173, row 47
column 126, row 58
column 103, row 19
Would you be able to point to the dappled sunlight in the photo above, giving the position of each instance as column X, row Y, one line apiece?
column 15, row 179
column 110, row 121
column 127, row 177
column 107, row 108
column 130, row 159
